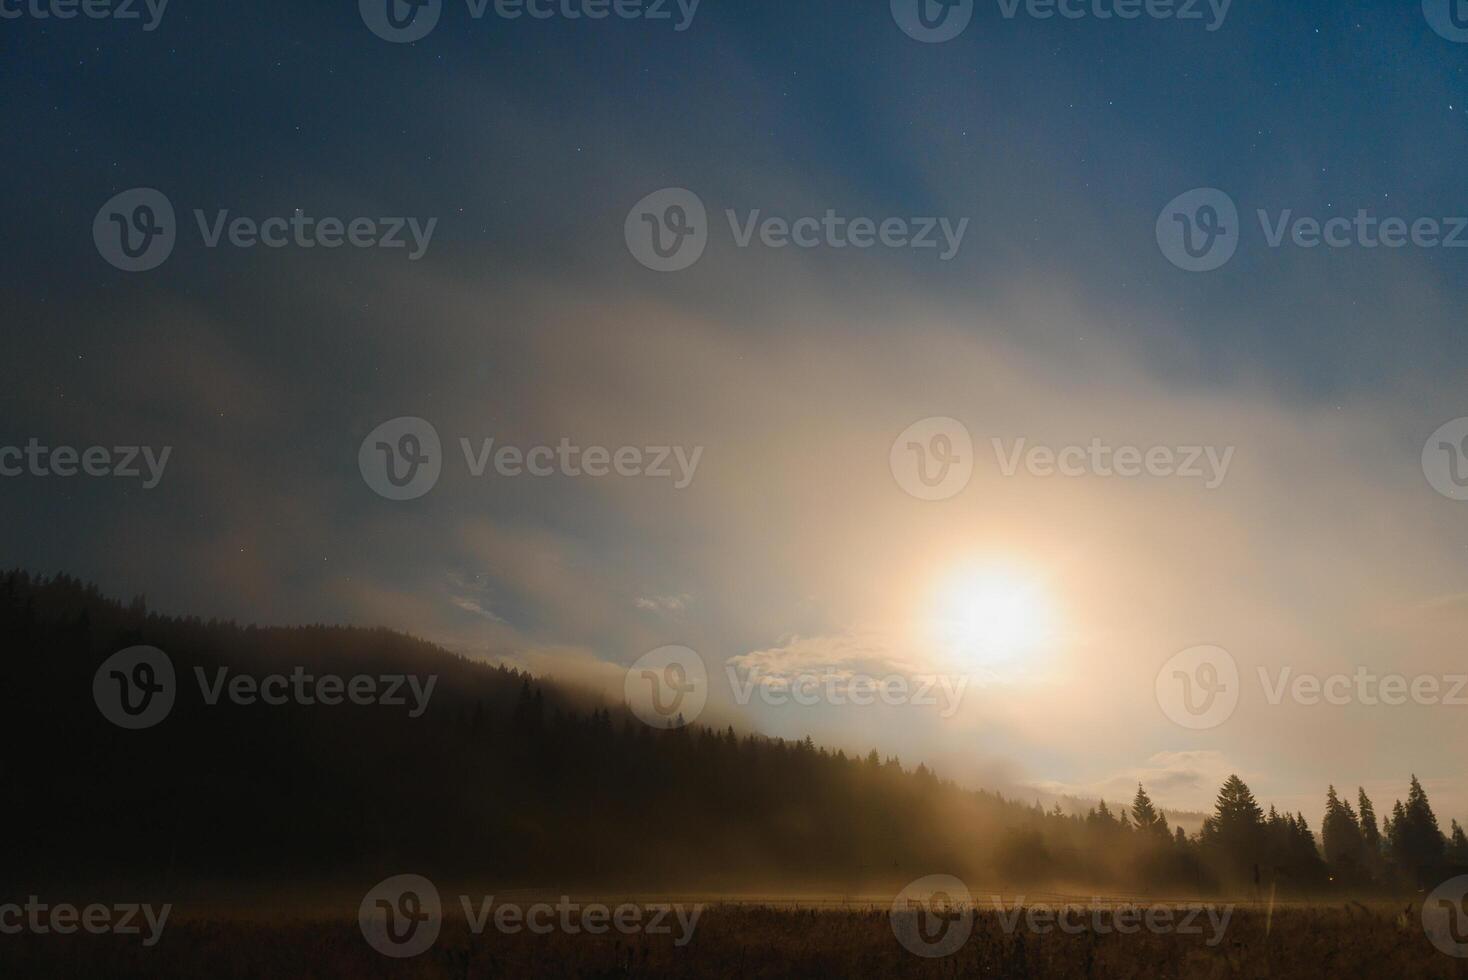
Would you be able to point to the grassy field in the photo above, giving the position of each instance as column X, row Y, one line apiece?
column 736, row 941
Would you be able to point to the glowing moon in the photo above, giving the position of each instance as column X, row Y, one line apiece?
column 992, row 617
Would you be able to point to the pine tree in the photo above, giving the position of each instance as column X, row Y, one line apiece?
column 1391, row 829
column 1419, row 810
column 1417, row 843
column 1306, row 839
column 1145, row 815
column 529, row 709
column 1340, row 836
column 1370, row 834
column 1236, row 814
column 1458, row 845
column 1235, row 830
column 1373, row 849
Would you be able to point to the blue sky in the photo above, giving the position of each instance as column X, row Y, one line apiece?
column 528, row 321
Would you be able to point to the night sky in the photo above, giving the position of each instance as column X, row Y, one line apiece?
column 528, row 320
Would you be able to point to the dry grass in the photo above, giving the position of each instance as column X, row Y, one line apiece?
column 742, row 943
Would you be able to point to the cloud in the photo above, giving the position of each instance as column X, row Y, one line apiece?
column 1322, row 549
column 1185, row 780
column 473, row 605
column 663, row 603
column 837, row 657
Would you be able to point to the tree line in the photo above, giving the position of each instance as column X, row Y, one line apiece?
column 1240, row 845
column 517, row 782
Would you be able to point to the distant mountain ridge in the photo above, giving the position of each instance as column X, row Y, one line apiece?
column 500, row 778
